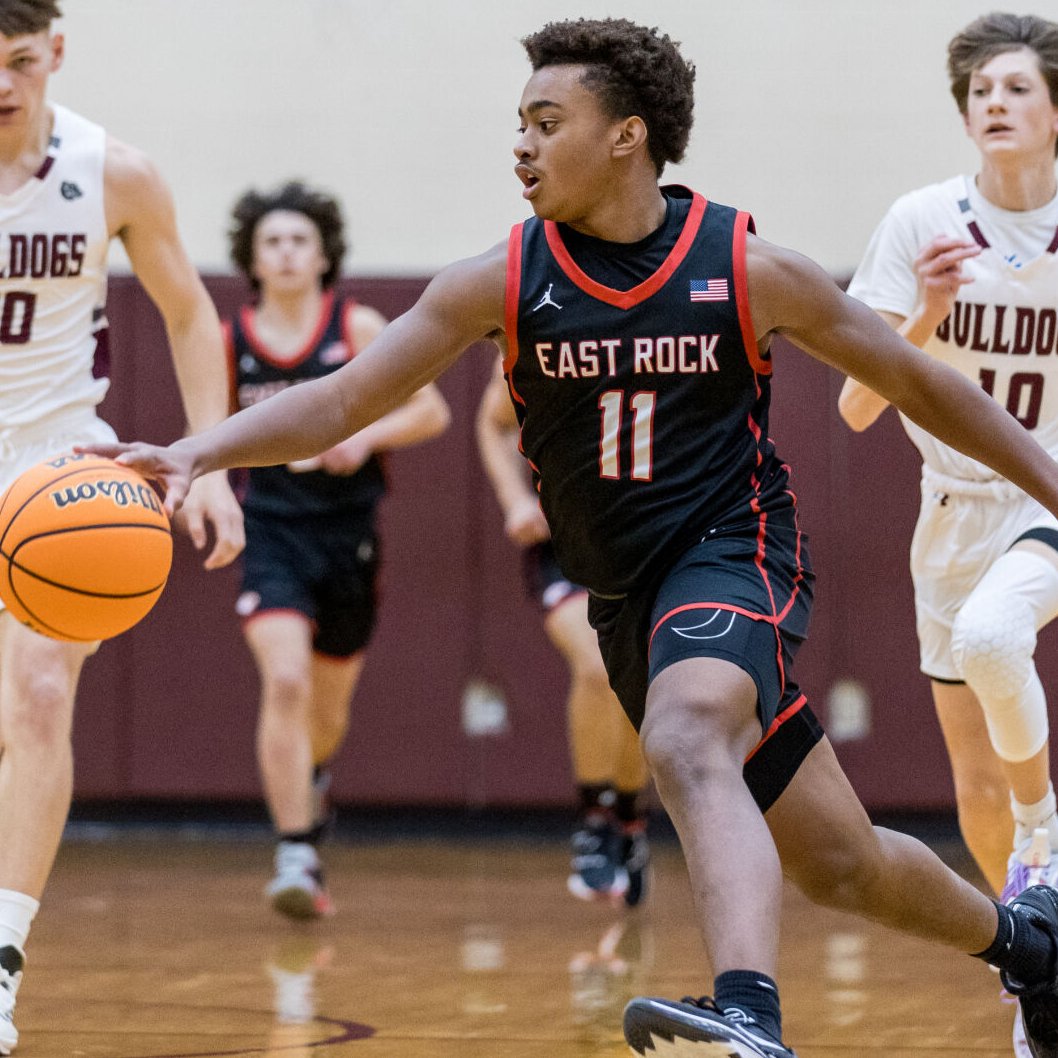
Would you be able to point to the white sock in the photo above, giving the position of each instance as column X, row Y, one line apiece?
column 16, row 914
column 1027, row 818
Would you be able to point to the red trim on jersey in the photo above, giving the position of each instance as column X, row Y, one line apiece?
column 228, row 337
column 247, row 316
column 346, row 328
column 45, row 167
column 626, row 299
column 510, row 303
column 744, row 224
column 788, row 713
column 1053, row 248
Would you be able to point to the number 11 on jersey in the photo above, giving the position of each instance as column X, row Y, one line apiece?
column 612, row 406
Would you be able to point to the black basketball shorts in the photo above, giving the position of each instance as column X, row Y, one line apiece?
column 323, row 566
column 744, row 595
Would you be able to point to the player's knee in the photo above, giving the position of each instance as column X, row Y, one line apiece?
column 590, row 676
column 838, row 875
column 288, row 689
column 993, row 640
column 684, row 745
column 41, row 714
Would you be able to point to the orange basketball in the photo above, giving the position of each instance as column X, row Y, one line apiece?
column 85, row 548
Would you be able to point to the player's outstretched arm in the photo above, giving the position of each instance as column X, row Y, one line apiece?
column 140, row 212
column 462, row 304
column 792, row 296
column 424, row 416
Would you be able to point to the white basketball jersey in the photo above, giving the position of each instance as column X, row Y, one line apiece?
column 1002, row 333
column 53, row 253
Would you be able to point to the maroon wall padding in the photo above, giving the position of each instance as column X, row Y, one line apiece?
column 168, row 709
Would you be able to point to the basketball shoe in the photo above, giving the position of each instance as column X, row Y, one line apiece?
column 1038, row 1002
column 11, row 963
column 698, row 1026
column 297, row 890
column 635, row 859
column 597, row 871
column 1030, row 864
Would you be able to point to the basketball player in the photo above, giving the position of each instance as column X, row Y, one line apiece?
column 968, row 271
column 311, row 560
column 67, row 189
column 643, row 405
column 610, row 850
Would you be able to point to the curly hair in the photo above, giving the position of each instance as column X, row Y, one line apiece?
column 27, row 16
column 632, row 70
column 322, row 209
column 994, row 34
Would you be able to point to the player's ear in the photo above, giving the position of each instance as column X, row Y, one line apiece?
column 631, row 135
column 58, row 51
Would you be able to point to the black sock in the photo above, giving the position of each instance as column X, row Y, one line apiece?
column 626, row 806
column 595, row 796
column 1021, row 948
column 306, row 837
column 755, row 993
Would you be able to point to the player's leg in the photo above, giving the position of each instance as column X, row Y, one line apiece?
column 982, row 793
column 610, row 829
column 281, row 643
column 334, row 682
column 38, row 683
column 993, row 643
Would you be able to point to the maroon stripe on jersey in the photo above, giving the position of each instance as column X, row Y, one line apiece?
column 787, row 714
column 510, row 306
column 1053, row 248
column 978, row 235
column 246, row 318
column 626, row 299
column 45, row 167
column 744, row 224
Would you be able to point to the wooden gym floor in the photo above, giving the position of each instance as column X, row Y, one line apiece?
column 159, row 945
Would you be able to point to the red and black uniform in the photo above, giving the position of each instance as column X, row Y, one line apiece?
column 643, row 402
column 311, row 543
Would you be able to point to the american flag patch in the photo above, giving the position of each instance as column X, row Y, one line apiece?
column 709, row 290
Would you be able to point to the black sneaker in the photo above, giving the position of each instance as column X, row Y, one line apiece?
column 635, row 858
column 596, row 871
column 1039, row 1002
column 698, row 1021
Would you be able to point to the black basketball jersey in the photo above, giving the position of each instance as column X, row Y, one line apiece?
column 644, row 412
column 258, row 374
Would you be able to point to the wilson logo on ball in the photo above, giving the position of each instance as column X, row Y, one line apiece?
column 121, row 493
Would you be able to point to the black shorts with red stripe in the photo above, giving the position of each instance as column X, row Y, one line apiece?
column 742, row 594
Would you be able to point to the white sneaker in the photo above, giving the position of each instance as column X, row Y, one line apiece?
column 297, row 890
column 1030, row 864
column 11, row 963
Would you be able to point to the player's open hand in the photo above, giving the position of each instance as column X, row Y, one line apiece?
column 210, row 502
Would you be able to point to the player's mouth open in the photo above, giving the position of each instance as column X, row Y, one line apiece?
column 528, row 178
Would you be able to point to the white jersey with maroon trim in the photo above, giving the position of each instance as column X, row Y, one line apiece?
column 53, row 254
column 1002, row 333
